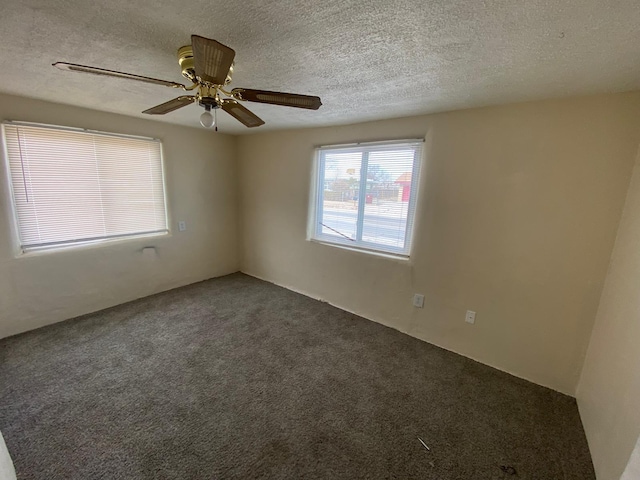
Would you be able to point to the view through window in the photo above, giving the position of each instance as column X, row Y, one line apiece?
column 366, row 195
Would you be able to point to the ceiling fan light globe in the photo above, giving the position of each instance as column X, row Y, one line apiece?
column 206, row 119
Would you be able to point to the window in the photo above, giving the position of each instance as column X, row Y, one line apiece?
column 71, row 185
column 366, row 195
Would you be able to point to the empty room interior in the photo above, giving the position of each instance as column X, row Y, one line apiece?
column 320, row 240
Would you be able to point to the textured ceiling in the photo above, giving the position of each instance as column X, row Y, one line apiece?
column 366, row 59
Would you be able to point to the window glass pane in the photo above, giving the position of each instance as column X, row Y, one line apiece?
column 340, row 195
column 389, row 176
column 366, row 195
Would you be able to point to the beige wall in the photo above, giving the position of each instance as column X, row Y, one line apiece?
column 609, row 389
column 517, row 216
column 201, row 177
column 518, row 212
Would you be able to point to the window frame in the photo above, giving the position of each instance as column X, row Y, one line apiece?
column 22, row 249
column 317, row 200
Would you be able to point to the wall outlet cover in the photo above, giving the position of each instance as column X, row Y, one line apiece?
column 418, row 300
column 471, row 317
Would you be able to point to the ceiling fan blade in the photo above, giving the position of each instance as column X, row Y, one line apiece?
column 278, row 98
column 171, row 105
column 112, row 73
column 211, row 60
column 242, row 114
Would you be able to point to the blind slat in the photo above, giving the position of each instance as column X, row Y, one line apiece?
column 74, row 186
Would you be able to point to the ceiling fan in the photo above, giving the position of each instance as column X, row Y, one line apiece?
column 208, row 64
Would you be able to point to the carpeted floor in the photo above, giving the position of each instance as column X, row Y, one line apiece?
column 235, row 378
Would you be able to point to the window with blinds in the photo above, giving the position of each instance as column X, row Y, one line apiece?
column 366, row 195
column 74, row 186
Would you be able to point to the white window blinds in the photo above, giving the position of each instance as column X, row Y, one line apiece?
column 74, row 186
column 366, row 195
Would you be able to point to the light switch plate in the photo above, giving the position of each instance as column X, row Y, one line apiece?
column 418, row 300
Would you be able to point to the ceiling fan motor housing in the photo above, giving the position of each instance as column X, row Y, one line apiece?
column 185, row 59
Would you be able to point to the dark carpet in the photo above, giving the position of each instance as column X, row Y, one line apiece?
column 236, row 378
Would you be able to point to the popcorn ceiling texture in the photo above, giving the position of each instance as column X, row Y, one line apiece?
column 366, row 59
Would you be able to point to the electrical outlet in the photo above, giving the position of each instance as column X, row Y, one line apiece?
column 418, row 300
column 471, row 317
column 182, row 226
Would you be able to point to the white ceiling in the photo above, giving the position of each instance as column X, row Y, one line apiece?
column 366, row 59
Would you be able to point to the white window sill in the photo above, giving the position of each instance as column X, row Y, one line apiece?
column 89, row 245
column 391, row 256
